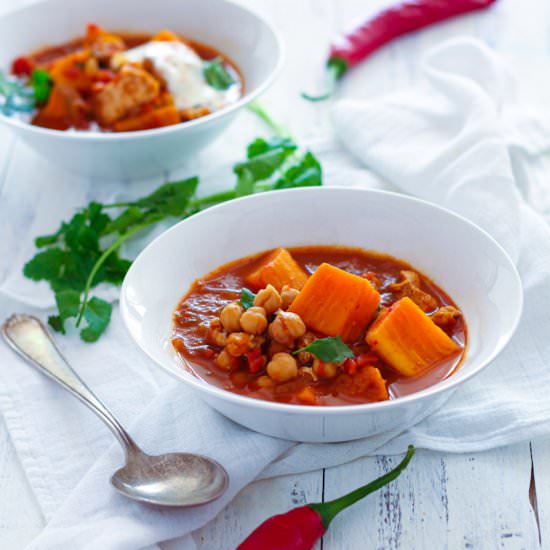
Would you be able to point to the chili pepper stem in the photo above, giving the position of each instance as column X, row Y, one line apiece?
column 328, row 510
column 336, row 68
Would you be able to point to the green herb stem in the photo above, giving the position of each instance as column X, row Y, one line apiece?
column 258, row 110
column 100, row 261
column 215, row 198
column 328, row 510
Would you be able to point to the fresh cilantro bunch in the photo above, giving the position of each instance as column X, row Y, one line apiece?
column 84, row 251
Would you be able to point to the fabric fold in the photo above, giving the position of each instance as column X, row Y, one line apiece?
column 459, row 139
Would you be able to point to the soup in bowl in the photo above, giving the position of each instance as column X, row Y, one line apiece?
column 418, row 300
column 322, row 325
column 120, row 82
column 122, row 117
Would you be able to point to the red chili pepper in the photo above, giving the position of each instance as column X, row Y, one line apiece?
column 390, row 23
column 22, row 66
column 301, row 528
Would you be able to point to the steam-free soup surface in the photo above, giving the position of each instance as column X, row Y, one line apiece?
column 365, row 378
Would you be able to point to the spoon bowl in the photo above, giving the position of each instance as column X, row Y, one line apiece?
column 173, row 479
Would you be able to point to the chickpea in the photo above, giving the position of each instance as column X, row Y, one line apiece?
column 264, row 381
column 238, row 343
column 256, row 341
column 215, row 333
column 282, row 367
column 254, row 320
column 325, row 370
column 269, row 299
column 230, row 317
column 309, row 372
column 287, row 296
column 276, row 347
column 286, row 327
column 225, row 361
column 305, row 357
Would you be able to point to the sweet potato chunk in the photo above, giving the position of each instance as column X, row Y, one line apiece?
column 407, row 339
column 131, row 88
column 163, row 116
column 166, row 36
column 65, row 109
column 278, row 269
column 367, row 383
column 102, row 44
column 69, row 71
column 336, row 303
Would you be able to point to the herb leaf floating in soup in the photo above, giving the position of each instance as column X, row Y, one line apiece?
column 217, row 75
column 327, row 326
column 41, row 83
column 330, row 349
column 118, row 82
column 247, row 298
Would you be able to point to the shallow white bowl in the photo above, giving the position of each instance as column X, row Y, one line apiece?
column 459, row 256
column 235, row 30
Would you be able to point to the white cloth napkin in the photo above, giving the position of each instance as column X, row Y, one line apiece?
column 458, row 140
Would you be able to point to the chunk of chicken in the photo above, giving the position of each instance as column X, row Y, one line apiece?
column 446, row 316
column 131, row 88
column 410, row 286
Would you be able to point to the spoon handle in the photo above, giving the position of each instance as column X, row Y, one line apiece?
column 27, row 336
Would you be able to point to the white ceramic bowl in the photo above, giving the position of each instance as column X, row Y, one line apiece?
column 459, row 256
column 235, row 30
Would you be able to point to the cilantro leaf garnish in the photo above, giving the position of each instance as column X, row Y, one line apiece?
column 331, row 349
column 41, row 83
column 247, row 298
column 216, row 74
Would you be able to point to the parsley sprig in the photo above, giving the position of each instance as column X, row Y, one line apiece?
column 84, row 251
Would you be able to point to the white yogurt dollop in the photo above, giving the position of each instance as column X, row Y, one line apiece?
column 182, row 70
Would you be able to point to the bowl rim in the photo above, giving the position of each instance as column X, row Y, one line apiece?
column 248, row 97
column 332, row 410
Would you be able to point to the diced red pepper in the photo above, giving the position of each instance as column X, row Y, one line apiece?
column 103, row 75
column 256, row 360
column 22, row 66
column 350, row 365
column 368, row 358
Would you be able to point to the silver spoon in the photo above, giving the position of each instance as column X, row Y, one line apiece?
column 174, row 479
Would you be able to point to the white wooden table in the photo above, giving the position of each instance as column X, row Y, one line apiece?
column 496, row 499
